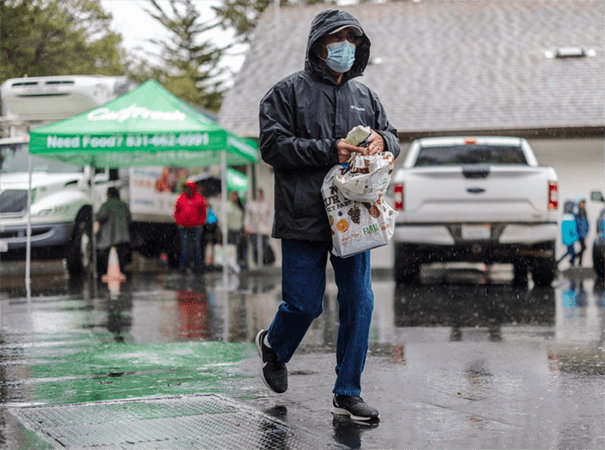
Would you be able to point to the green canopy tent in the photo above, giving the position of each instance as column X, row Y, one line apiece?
column 148, row 126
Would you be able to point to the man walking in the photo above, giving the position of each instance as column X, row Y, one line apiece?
column 304, row 119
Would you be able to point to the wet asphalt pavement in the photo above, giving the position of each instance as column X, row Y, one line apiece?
column 463, row 360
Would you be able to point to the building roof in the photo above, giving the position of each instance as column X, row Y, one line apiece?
column 446, row 67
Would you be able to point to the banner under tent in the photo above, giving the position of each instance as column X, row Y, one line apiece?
column 148, row 126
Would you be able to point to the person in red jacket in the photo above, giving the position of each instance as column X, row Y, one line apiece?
column 190, row 215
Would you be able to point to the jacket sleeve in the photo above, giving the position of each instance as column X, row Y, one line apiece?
column 202, row 211
column 103, row 214
column 177, row 212
column 385, row 129
column 279, row 145
column 127, row 215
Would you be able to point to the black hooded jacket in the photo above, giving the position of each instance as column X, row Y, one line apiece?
column 302, row 118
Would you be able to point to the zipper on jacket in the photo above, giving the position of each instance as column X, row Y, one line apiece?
column 335, row 93
column 336, row 116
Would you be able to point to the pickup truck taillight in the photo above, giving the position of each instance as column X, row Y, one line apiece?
column 553, row 195
column 398, row 197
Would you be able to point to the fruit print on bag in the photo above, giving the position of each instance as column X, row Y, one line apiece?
column 342, row 225
column 373, row 210
column 355, row 214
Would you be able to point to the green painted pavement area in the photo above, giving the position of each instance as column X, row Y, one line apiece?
column 113, row 370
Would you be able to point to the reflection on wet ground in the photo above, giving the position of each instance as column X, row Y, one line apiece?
column 459, row 306
column 165, row 306
column 452, row 337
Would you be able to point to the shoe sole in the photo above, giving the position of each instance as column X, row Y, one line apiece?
column 344, row 412
column 258, row 347
column 260, row 354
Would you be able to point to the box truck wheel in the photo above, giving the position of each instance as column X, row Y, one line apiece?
column 174, row 252
column 79, row 249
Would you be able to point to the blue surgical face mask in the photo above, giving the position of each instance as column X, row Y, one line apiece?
column 341, row 56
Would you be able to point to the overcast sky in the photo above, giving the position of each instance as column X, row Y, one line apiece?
column 137, row 27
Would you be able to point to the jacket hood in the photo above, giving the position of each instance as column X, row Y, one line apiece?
column 576, row 206
column 191, row 185
column 568, row 207
column 323, row 24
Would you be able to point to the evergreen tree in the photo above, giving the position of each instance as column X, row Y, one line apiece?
column 243, row 15
column 57, row 37
column 190, row 67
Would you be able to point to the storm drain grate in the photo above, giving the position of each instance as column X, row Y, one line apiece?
column 203, row 421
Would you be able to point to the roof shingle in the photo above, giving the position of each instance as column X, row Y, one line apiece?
column 449, row 66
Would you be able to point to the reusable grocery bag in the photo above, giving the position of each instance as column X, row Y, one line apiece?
column 228, row 257
column 357, row 226
column 367, row 177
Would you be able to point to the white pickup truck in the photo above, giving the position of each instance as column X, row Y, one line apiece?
column 475, row 199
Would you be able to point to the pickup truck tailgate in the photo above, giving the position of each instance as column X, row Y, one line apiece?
column 476, row 194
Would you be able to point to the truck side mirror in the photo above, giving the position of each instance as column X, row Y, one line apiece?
column 597, row 196
column 101, row 177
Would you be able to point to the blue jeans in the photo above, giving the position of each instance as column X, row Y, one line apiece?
column 303, row 285
column 570, row 251
column 190, row 236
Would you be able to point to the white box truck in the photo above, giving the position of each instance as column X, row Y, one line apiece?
column 61, row 207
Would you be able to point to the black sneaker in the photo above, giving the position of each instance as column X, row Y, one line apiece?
column 354, row 407
column 274, row 372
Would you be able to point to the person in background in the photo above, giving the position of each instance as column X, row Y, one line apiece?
column 303, row 121
column 258, row 226
column 251, row 223
column 265, row 216
column 569, row 232
column 235, row 227
column 162, row 183
column 113, row 221
column 210, row 228
column 190, row 216
column 581, row 225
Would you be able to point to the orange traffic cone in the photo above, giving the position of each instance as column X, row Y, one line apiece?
column 114, row 277
column 164, row 259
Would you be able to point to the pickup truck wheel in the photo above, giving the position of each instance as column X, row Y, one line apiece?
column 520, row 274
column 79, row 250
column 407, row 267
column 543, row 272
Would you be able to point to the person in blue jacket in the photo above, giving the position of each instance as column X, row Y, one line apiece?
column 569, row 232
column 581, row 225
